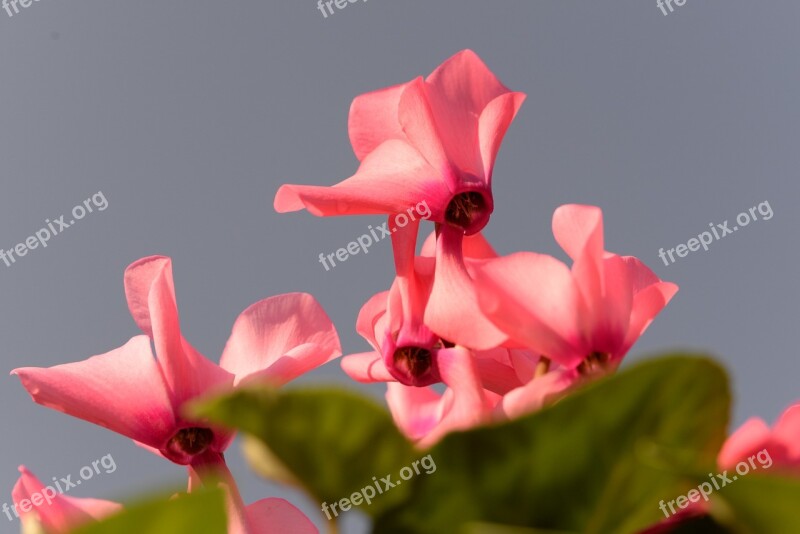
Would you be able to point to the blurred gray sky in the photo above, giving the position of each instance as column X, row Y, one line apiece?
column 188, row 115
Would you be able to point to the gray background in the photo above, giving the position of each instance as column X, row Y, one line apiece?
column 188, row 115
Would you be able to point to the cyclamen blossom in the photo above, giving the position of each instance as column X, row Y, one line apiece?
column 583, row 318
column 130, row 392
column 42, row 509
column 432, row 140
column 782, row 442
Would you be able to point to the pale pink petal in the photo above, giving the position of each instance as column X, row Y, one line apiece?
column 754, row 434
column 470, row 405
column 608, row 315
column 419, row 125
column 453, row 311
column 579, row 230
column 393, row 178
column 277, row 516
column 373, row 119
column 366, row 367
column 787, row 432
column 416, row 411
column 458, row 91
column 280, row 333
column 474, row 247
column 533, row 298
column 150, row 291
column 122, row 390
column 493, row 124
column 61, row 514
column 536, row 393
column 369, row 315
column 646, row 305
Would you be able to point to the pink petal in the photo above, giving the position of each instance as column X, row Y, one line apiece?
column 787, row 432
column 533, row 299
column 536, row 393
column 453, row 311
column 470, row 405
column 419, row 125
column 281, row 337
column 646, row 305
column 474, row 247
column 458, row 91
column 416, row 411
column 122, row 390
column 373, row 119
column 368, row 317
column 150, row 291
column 493, row 124
column 753, row 435
column 579, row 230
column 393, row 178
column 62, row 513
column 366, row 367
column 277, row 516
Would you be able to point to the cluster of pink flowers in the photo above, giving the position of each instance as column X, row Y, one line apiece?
column 504, row 335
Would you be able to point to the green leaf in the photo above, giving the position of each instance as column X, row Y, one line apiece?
column 202, row 511
column 598, row 461
column 759, row 504
column 332, row 441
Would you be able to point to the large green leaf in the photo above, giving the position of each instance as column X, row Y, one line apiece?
column 759, row 504
column 197, row 512
column 598, row 461
column 333, row 442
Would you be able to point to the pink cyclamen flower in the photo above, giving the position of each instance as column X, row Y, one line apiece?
column 754, row 437
column 406, row 348
column 430, row 140
column 583, row 318
column 130, row 392
column 42, row 509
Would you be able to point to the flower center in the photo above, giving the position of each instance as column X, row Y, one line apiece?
column 594, row 363
column 191, row 441
column 415, row 360
column 465, row 209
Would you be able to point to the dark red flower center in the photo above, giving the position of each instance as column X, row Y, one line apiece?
column 416, row 361
column 191, row 441
column 466, row 209
column 594, row 363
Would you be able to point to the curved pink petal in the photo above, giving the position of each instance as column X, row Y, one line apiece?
column 459, row 90
column 122, row 390
column 787, row 432
column 272, row 331
column 578, row 230
column 55, row 512
column 492, row 126
column 393, row 178
column 536, row 393
column 277, row 516
column 419, row 125
column 368, row 317
column 453, row 311
column 150, row 291
column 646, row 305
column 366, row 367
column 470, row 404
column 753, row 435
column 416, row 411
column 533, row 299
column 373, row 119
column 608, row 312
column 474, row 247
